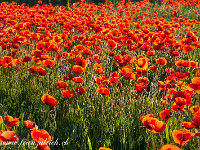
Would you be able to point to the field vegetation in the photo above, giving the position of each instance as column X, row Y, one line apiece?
column 120, row 76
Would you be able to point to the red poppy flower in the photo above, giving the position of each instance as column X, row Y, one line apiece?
column 41, row 71
column 148, row 115
column 87, row 52
column 7, row 60
column 26, row 59
column 142, row 63
column 103, row 148
column 41, row 137
column 175, row 53
column 194, row 109
column 103, row 91
column 62, row 84
column 128, row 59
column 78, row 79
column 12, row 121
column 141, row 73
column 68, row 43
column 48, row 63
column 182, row 136
column 144, row 80
column 170, row 147
column 80, row 90
column 197, row 132
column 114, row 79
column 188, row 125
column 1, row 119
column 188, row 48
column 182, row 98
column 32, row 69
column 119, row 59
column 193, row 64
column 161, row 61
column 196, row 119
column 140, row 87
column 165, row 114
column 150, row 53
column 176, row 107
column 127, row 73
column 195, row 84
column 28, row 124
column 112, row 44
column 153, row 124
column 78, row 69
column 8, row 137
column 154, row 68
column 67, row 93
column 49, row 100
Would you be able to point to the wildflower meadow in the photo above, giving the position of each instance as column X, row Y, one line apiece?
column 108, row 76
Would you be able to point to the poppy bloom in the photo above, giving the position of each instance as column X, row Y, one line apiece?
column 48, row 63
column 161, row 61
column 176, row 107
column 112, row 44
column 68, row 43
column 103, row 148
column 67, row 93
column 196, row 119
column 182, row 98
column 194, row 109
column 150, row 53
column 128, row 59
column 12, row 121
column 198, row 73
column 78, row 79
column 195, row 84
column 7, row 60
column 49, row 100
column 165, row 114
column 114, row 79
column 149, row 115
column 193, row 64
column 103, row 91
column 127, row 73
column 41, row 71
column 32, row 69
column 41, row 137
column 26, row 59
column 182, row 136
column 154, row 68
column 1, row 119
column 140, row 87
column 188, row 48
column 62, row 84
column 78, row 69
column 144, row 80
column 188, row 125
column 8, row 137
column 28, row 124
column 175, row 53
column 87, row 52
column 153, row 124
column 180, row 75
column 80, row 90
column 142, row 63
column 170, row 147
column 197, row 132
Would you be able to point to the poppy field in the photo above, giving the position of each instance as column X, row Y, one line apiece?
column 122, row 76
